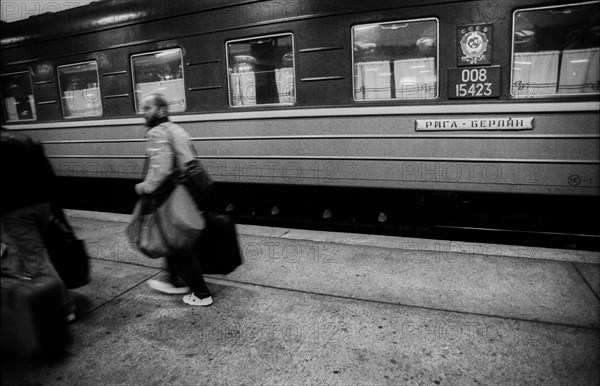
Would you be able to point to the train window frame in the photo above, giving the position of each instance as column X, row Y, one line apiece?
column 97, row 86
column 32, row 102
column 137, row 98
column 397, row 99
column 230, row 97
column 556, row 94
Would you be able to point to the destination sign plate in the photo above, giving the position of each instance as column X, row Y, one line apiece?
column 474, row 82
column 487, row 123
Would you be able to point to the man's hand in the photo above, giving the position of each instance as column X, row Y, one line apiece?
column 139, row 188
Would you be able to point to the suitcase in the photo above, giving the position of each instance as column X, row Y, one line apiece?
column 217, row 247
column 32, row 323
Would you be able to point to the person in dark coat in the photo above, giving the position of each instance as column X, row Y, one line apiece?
column 28, row 181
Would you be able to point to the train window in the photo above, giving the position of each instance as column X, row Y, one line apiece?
column 396, row 60
column 17, row 96
column 555, row 51
column 80, row 94
column 261, row 71
column 159, row 72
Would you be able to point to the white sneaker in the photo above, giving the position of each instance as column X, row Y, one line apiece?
column 167, row 288
column 193, row 300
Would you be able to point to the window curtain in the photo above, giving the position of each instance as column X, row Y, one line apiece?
column 284, row 78
column 415, row 78
column 32, row 107
column 579, row 71
column 372, row 80
column 172, row 90
column 242, row 88
column 535, row 73
column 18, row 109
column 82, row 103
column 11, row 109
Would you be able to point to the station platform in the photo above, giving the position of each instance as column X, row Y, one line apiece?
column 312, row 307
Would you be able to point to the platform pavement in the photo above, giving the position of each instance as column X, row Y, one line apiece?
column 313, row 307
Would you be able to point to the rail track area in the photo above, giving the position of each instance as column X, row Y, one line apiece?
column 316, row 307
column 509, row 219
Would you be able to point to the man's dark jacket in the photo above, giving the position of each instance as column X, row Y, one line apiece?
column 27, row 176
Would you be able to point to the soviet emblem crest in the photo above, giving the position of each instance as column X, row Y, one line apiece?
column 475, row 45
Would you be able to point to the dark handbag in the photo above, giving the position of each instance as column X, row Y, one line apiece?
column 67, row 253
column 197, row 181
column 218, row 248
column 159, row 230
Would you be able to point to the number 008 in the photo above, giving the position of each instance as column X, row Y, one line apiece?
column 474, row 75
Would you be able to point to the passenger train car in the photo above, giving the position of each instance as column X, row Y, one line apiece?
column 411, row 114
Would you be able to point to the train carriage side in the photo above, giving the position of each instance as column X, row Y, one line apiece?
column 444, row 97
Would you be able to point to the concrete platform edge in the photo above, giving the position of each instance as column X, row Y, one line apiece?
column 393, row 242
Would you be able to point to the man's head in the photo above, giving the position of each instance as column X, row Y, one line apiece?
column 154, row 106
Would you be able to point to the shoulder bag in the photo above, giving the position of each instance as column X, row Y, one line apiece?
column 161, row 229
column 194, row 177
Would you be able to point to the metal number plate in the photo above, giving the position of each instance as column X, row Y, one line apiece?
column 474, row 82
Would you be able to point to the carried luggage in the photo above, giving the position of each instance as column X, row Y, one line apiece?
column 67, row 253
column 32, row 323
column 218, row 248
column 171, row 227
